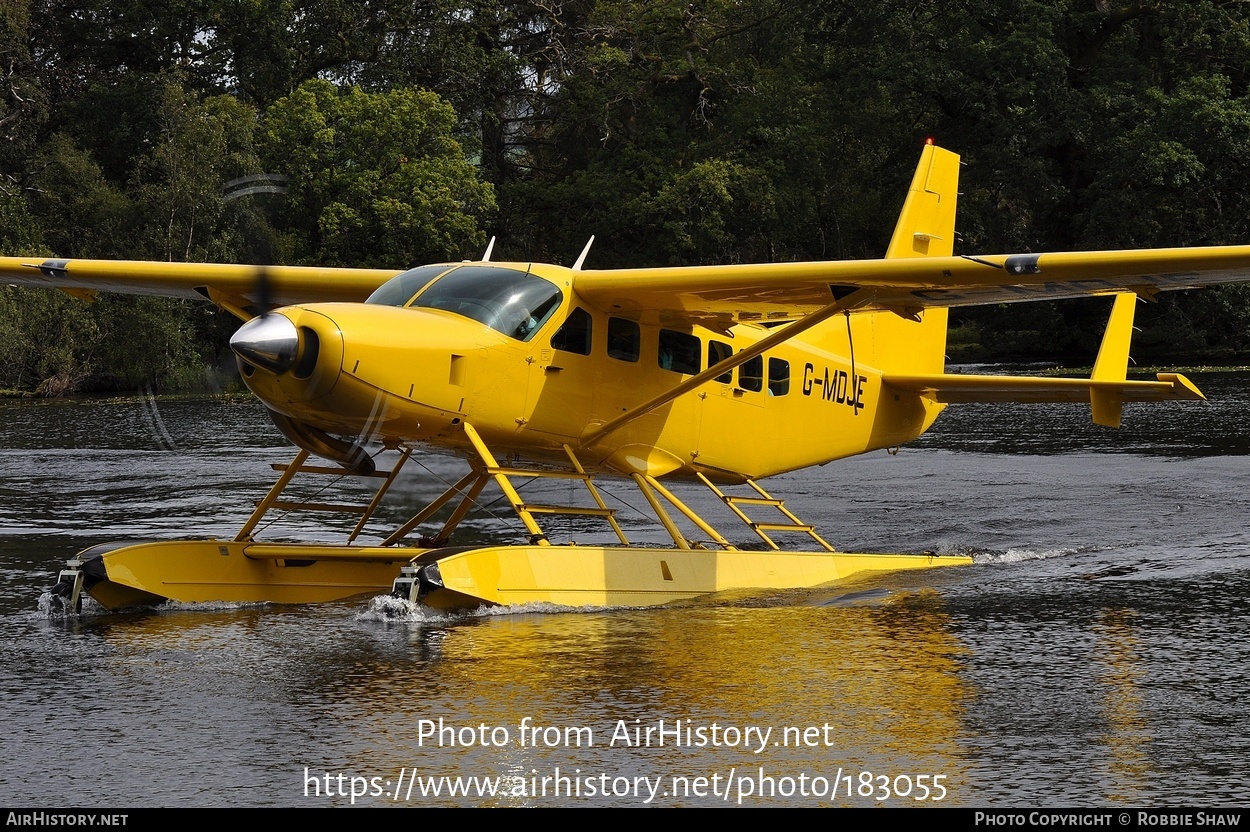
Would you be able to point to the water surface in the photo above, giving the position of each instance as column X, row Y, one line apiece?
column 1094, row 654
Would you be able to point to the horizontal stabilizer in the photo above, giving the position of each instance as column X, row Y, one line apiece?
column 955, row 388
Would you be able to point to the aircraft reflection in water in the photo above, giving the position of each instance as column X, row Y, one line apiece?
column 1127, row 736
column 718, row 374
column 890, row 701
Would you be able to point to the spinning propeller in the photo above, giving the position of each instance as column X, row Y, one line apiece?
column 267, row 341
column 271, row 342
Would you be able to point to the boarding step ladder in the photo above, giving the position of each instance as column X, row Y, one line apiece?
column 288, row 471
column 526, row 511
column 791, row 522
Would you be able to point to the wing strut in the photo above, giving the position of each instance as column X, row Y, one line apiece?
column 845, row 304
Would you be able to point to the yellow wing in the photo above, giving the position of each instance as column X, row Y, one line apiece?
column 742, row 293
column 780, row 291
column 231, row 286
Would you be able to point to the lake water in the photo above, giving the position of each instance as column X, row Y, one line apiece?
column 1094, row 654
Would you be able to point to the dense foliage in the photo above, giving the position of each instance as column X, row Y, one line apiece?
column 677, row 132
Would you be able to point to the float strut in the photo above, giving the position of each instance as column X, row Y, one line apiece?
column 69, row 582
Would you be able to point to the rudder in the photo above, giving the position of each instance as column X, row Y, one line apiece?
column 914, row 340
column 926, row 226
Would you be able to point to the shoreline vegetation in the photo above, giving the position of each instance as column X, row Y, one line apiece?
column 394, row 133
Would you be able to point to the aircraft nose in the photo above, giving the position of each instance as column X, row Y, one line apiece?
column 270, row 341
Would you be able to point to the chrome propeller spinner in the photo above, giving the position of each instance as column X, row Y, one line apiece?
column 269, row 341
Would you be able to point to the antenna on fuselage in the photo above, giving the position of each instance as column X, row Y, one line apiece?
column 489, row 248
column 581, row 258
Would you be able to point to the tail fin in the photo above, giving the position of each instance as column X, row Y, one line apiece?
column 1112, row 363
column 926, row 228
column 914, row 341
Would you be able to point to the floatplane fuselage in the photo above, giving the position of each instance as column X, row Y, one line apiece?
column 416, row 374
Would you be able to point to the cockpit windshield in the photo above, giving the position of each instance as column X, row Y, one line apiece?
column 398, row 291
column 512, row 302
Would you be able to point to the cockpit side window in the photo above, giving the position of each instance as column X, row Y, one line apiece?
column 574, row 335
column 399, row 289
column 509, row 301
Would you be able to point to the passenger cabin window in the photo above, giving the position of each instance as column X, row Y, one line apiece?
column 751, row 374
column 506, row 300
column 718, row 351
column 574, row 336
column 679, row 352
column 778, row 377
column 624, row 339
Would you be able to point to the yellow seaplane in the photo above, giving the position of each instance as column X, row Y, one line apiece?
column 720, row 375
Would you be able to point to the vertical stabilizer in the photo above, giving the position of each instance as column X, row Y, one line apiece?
column 914, row 341
column 926, row 228
column 1112, row 363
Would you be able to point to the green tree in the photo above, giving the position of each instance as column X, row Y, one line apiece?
column 22, row 101
column 376, row 179
column 179, row 182
column 82, row 213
